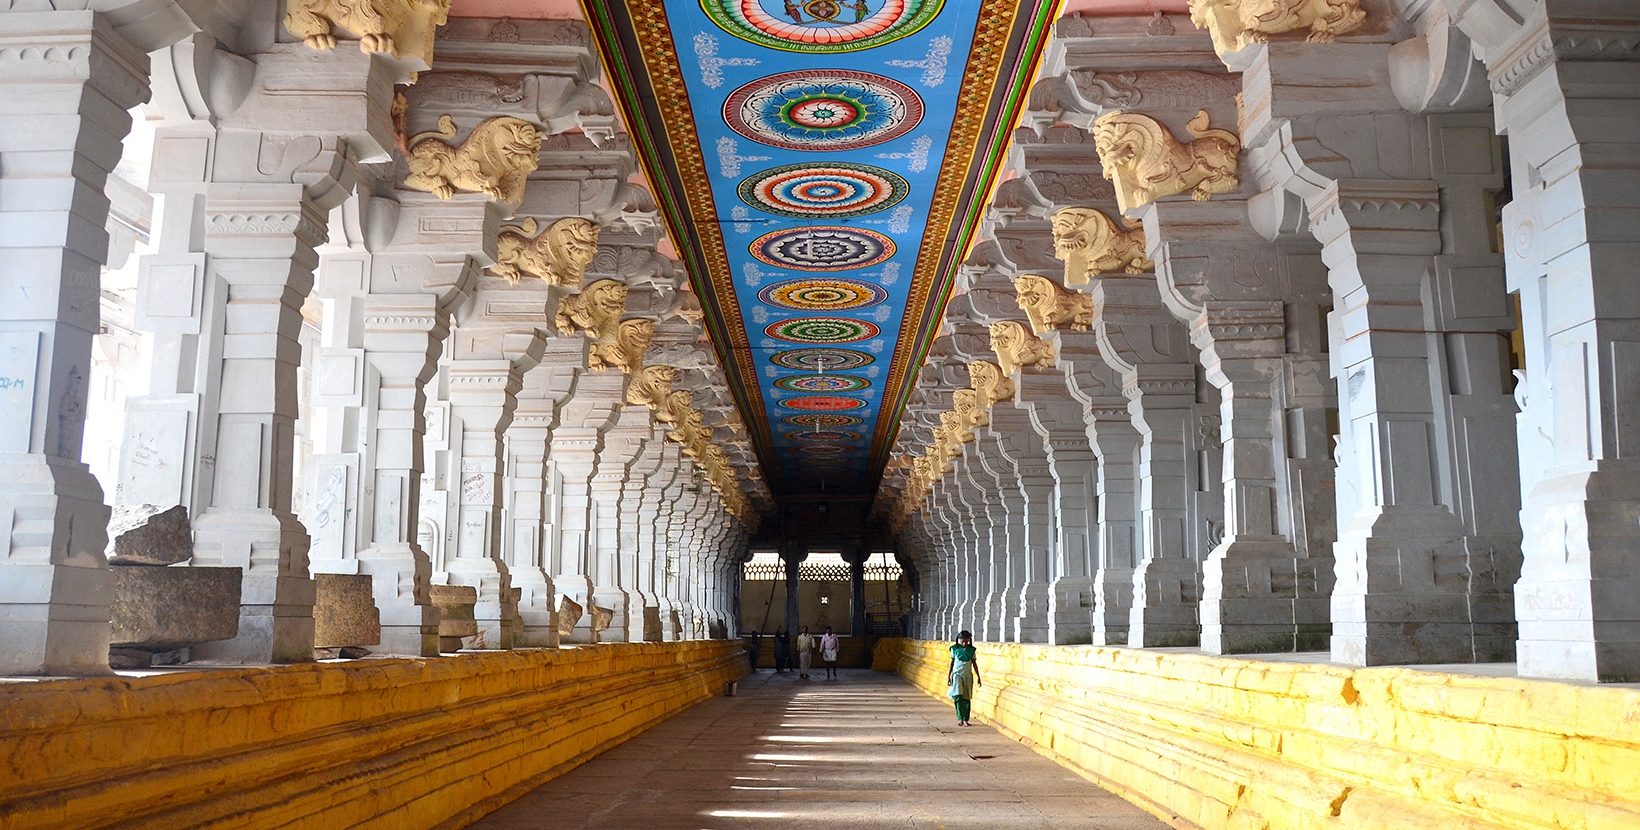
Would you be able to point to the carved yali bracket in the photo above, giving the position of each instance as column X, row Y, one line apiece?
column 990, row 383
column 1017, row 348
column 558, row 256
column 1236, row 24
column 1050, row 307
column 625, row 350
column 1089, row 243
column 1145, row 162
column 651, row 386
column 596, row 311
column 403, row 28
column 496, row 159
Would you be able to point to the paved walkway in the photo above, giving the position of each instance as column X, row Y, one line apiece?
column 864, row 752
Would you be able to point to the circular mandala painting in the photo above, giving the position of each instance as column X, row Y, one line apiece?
column 822, row 248
column 822, row 383
column 838, row 360
column 824, row 435
column 836, row 190
column 822, row 330
column 823, row 110
column 822, row 294
column 823, row 420
column 821, row 25
column 825, row 403
column 821, row 450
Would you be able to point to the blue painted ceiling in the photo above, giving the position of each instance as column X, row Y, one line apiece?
column 824, row 161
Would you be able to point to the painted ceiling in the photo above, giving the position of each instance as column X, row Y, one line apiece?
column 822, row 165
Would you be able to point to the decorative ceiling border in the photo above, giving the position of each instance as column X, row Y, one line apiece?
column 1006, row 30
column 728, row 334
column 1024, row 35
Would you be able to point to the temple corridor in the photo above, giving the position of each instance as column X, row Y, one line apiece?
column 866, row 751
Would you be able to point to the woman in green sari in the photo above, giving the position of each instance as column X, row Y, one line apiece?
column 963, row 675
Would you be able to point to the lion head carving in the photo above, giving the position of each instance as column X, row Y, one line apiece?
column 1145, row 162
column 496, row 159
column 1089, row 243
column 1017, row 348
column 989, row 382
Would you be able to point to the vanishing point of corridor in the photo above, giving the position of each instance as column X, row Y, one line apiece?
column 865, row 752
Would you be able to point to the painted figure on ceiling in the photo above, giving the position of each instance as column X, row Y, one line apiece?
column 792, row 12
column 861, row 10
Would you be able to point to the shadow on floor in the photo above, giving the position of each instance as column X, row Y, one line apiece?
column 866, row 751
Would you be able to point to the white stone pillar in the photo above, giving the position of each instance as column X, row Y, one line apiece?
column 624, row 440
column 1569, row 104
column 1057, row 421
column 68, row 82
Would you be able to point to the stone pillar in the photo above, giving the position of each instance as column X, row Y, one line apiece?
column 793, row 556
column 857, row 591
column 1262, row 591
column 622, row 444
column 1138, row 339
column 576, row 445
column 636, row 553
column 483, row 399
column 1569, row 106
column 68, row 83
column 1406, row 559
column 387, row 315
column 1057, row 421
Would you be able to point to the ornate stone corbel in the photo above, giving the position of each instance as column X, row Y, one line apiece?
column 496, row 159
column 1017, row 348
column 625, row 352
column 1145, row 162
column 1051, row 307
column 970, row 410
column 651, row 386
column 1236, row 24
column 990, row 383
column 1090, row 243
column 675, row 410
column 596, row 311
column 397, row 27
column 558, row 256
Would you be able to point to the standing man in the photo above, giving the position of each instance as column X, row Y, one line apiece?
column 753, row 646
column 782, row 650
column 829, row 647
column 805, row 652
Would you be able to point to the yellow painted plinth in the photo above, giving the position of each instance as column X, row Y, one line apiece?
column 395, row 743
column 1214, row 742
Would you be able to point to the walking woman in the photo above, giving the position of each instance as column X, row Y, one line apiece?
column 963, row 675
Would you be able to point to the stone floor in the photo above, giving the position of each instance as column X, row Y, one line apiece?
column 864, row 752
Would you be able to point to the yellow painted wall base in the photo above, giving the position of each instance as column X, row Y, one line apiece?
column 1214, row 742
column 398, row 743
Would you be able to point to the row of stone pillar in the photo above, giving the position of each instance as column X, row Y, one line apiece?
column 1265, row 389
column 544, row 474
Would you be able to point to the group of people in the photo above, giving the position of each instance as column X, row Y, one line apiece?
column 961, row 676
column 828, row 645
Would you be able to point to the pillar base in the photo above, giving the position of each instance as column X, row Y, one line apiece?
column 1251, row 592
column 496, row 611
column 1164, row 606
column 276, row 611
column 1030, row 622
column 400, row 575
column 1070, row 612
column 53, row 615
column 1578, row 599
column 1401, row 596
column 615, row 600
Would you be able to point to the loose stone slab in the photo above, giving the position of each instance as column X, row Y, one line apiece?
column 148, row 534
column 569, row 613
column 163, row 609
column 345, row 612
column 602, row 617
column 456, row 620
